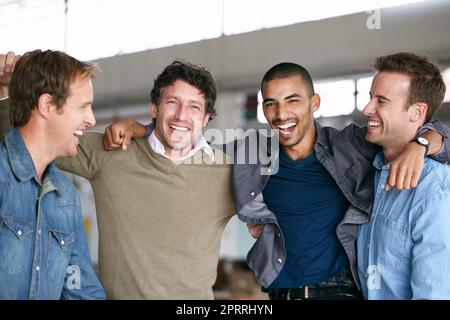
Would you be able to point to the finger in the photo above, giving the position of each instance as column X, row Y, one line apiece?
column 2, row 64
column 126, row 142
column 400, row 178
column 107, row 136
column 407, row 181
column 415, row 180
column 117, row 134
column 105, row 141
column 111, row 145
column 390, row 182
column 10, row 60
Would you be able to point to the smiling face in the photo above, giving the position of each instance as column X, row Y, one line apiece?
column 180, row 117
column 388, row 116
column 288, row 107
column 73, row 118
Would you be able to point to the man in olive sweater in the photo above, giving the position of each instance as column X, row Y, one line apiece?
column 161, row 205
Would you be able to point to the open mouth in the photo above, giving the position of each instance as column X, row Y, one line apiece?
column 178, row 128
column 374, row 124
column 286, row 129
column 78, row 133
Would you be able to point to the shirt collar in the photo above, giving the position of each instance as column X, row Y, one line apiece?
column 22, row 165
column 203, row 145
column 378, row 162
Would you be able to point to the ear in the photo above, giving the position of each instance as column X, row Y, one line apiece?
column 418, row 112
column 206, row 119
column 153, row 110
column 315, row 102
column 45, row 105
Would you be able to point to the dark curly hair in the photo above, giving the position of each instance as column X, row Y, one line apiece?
column 195, row 75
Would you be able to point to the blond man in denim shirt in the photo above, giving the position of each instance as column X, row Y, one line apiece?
column 43, row 248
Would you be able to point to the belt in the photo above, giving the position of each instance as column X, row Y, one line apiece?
column 315, row 292
column 308, row 292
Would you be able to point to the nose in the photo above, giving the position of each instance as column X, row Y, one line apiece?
column 90, row 118
column 369, row 108
column 281, row 111
column 182, row 112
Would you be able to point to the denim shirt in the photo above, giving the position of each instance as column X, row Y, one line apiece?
column 43, row 247
column 404, row 251
column 347, row 157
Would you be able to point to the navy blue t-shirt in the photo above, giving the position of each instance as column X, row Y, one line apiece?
column 308, row 205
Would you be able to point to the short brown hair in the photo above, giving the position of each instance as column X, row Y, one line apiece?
column 426, row 85
column 38, row 72
column 195, row 75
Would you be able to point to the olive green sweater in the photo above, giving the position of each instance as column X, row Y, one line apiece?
column 160, row 223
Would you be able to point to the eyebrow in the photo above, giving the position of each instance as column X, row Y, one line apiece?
column 190, row 100
column 295, row 95
column 85, row 104
column 379, row 96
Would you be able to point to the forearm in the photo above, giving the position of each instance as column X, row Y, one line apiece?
column 438, row 134
column 139, row 130
column 436, row 141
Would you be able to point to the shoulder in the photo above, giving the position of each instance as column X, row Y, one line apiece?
column 435, row 175
column 66, row 186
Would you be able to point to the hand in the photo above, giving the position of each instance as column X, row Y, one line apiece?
column 255, row 229
column 405, row 170
column 7, row 64
column 118, row 135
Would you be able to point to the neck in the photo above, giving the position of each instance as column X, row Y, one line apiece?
column 176, row 155
column 38, row 148
column 391, row 152
column 305, row 147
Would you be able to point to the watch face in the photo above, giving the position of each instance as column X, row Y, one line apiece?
column 422, row 141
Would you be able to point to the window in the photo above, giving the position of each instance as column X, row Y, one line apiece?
column 363, row 96
column 337, row 97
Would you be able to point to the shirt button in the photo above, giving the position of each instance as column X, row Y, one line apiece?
column 63, row 242
column 19, row 232
column 269, row 170
column 252, row 194
column 38, row 268
column 39, row 231
column 279, row 260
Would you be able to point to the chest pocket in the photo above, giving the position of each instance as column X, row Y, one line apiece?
column 60, row 246
column 15, row 244
column 389, row 237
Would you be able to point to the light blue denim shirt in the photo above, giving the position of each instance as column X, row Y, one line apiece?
column 404, row 251
column 43, row 248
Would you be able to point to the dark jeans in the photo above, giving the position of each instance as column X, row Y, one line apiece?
column 339, row 287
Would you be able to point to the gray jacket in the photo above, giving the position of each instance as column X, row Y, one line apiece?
column 347, row 157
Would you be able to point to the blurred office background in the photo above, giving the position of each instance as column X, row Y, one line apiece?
column 237, row 40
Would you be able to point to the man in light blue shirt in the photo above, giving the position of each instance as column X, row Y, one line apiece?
column 404, row 251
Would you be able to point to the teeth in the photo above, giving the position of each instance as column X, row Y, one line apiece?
column 375, row 124
column 286, row 125
column 179, row 128
column 78, row 132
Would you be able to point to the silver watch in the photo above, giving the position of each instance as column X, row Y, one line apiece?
column 423, row 142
